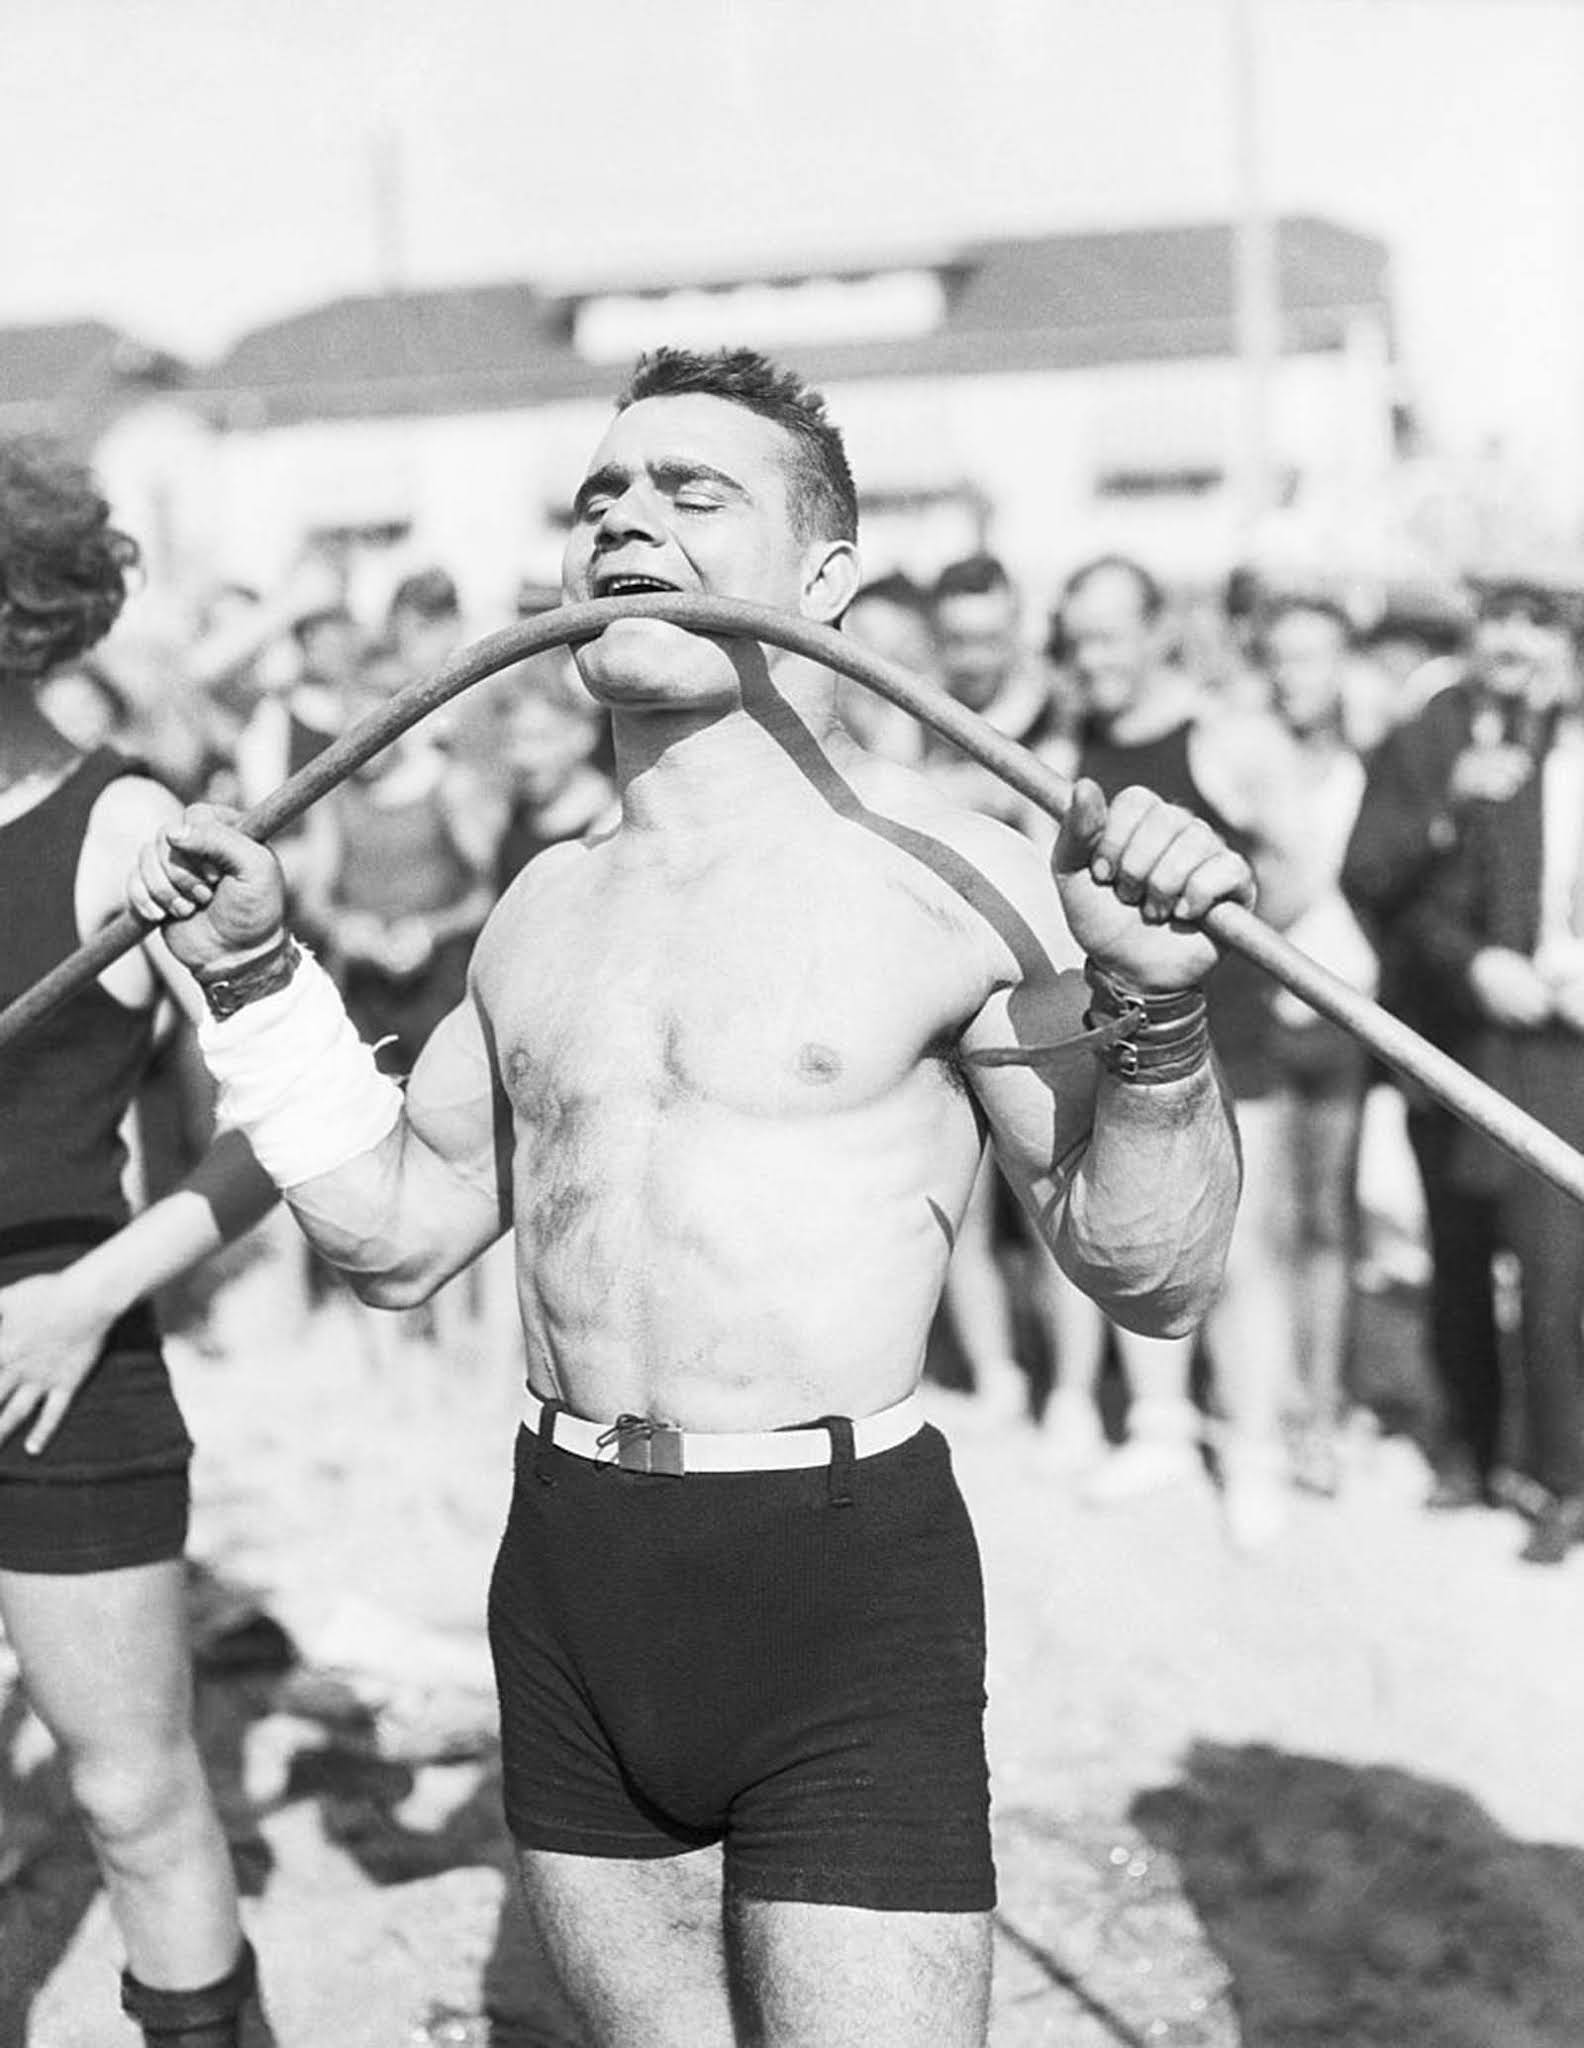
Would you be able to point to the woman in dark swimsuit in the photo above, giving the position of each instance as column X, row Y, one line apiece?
column 93, row 1452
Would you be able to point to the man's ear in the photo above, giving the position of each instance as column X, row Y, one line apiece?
column 831, row 576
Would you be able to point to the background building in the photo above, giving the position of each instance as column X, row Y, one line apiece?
column 1043, row 395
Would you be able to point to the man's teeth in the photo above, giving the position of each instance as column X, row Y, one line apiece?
column 635, row 586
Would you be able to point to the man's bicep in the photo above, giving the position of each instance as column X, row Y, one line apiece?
column 1034, row 1083
column 1037, row 1107
column 456, row 1108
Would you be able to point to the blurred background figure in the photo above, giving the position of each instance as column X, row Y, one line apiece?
column 975, row 618
column 891, row 617
column 1419, row 641
column 1472, row 746
column 552, row 733
column 424, row 625
column 987, row 665
column 1504, row 928
column 287, row 656
column 1232, row 666
column 397, row 877
column 1321, row 1071
column 1149, row 719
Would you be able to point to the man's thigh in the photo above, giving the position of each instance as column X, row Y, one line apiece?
column 636, row 1945
column 812, row 1976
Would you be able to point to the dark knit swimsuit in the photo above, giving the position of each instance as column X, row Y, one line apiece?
column 110, row 1489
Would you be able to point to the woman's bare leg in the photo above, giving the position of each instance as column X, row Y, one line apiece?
column 105, row 1663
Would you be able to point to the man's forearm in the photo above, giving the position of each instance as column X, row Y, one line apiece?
column 334, row 1134
column 1149, row 1211
column 395, row 1221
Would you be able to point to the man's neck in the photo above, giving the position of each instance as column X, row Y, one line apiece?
column 687, row 777
column 1165, row 699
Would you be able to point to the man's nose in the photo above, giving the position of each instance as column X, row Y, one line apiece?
column 634, row 514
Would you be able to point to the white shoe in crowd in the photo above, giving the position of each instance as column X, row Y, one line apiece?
column 1072, row 1441
column 1001, row 1391
column 1162, row 1450
column 1256, row 1494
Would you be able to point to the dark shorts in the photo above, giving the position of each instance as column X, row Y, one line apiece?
column 110, row 1490
column 741, row 1658
column 1319, row 1061
column 92, row 1525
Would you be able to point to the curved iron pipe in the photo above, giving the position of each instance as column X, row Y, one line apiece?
column 1233, row 927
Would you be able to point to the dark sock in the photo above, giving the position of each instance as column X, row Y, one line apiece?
column 210, row 2017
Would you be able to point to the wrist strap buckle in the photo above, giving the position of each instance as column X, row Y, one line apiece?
column 1107, row 1040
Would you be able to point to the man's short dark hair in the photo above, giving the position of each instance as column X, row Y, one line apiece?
column 820, row 491
column 978, row 575
column 337, row 614
column 1437, row 628
column 430, row 593
column 897, row 588
column 1501, row 597
column 1151, row 591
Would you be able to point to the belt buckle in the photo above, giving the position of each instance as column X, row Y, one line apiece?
column 644, row 1445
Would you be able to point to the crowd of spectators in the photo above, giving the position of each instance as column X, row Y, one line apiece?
column 1410, row 789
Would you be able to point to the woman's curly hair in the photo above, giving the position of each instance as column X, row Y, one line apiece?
column 63, row 566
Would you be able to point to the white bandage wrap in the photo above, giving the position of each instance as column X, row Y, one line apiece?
column 297, row 1081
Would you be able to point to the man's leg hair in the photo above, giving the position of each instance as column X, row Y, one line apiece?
column 636, row 1945
column 818, row 1976
column 645, row 1959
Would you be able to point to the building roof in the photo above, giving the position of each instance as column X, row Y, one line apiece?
column 476, row 341
column 1166, row 290
column 67, row 376
column 1034, row 302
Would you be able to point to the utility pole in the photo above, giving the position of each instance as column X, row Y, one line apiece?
column 1256, row 283
column 387, row 177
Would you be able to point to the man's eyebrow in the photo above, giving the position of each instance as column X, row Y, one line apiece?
column 607, row 482
column 674, row 475
column 612, row 478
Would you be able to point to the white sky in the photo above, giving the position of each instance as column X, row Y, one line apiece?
column 190, row 167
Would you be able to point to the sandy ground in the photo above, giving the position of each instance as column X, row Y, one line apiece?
column 1328, row 1797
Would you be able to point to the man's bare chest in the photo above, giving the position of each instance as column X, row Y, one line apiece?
column 765, row 1005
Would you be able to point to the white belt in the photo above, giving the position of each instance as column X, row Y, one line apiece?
column 638, row 1444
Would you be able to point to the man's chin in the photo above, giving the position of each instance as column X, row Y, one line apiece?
column 646, row 664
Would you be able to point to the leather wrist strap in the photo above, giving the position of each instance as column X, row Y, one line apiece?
column 267, row 974
column 1158, row 1038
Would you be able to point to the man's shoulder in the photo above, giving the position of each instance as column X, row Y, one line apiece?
column 973, row 875
column 914, row 800
column 547, row 887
